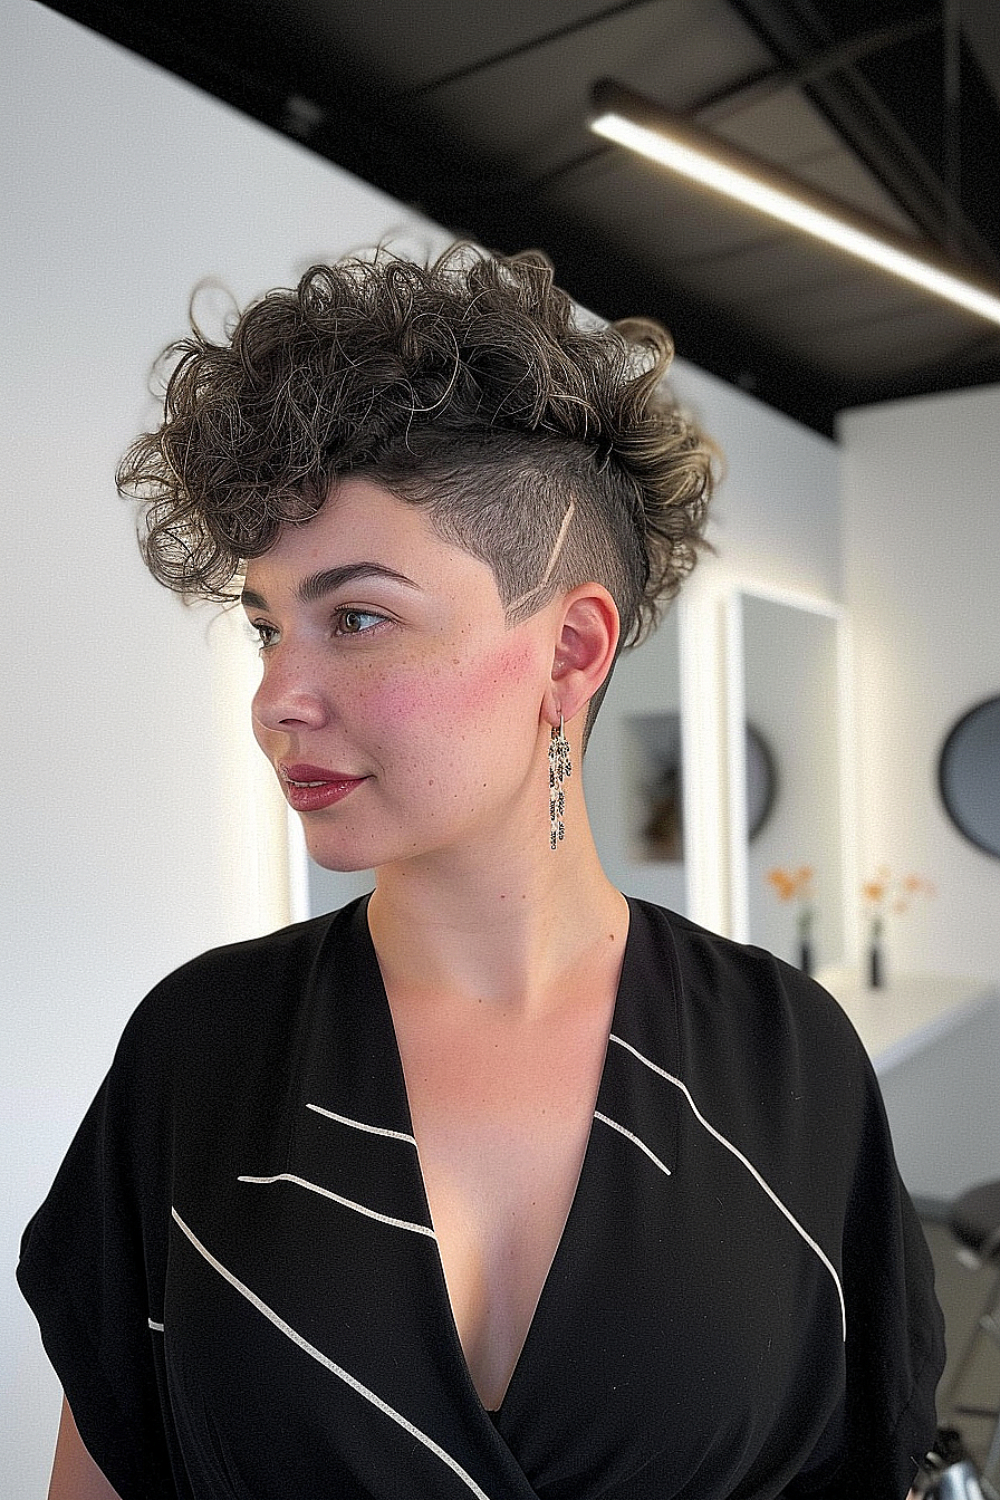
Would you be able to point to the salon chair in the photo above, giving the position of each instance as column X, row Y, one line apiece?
column 974, row 1220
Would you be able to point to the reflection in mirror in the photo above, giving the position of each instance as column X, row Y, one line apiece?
column 761, row 781
column 633, row 773
column 785, row 681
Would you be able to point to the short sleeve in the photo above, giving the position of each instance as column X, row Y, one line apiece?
column 895, row 1332
column 91, row 1269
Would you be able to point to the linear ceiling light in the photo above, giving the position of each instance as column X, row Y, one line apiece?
column 635, row 122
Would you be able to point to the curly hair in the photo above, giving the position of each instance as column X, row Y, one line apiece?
column 547, row 449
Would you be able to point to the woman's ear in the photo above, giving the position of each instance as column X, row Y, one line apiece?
column 585, row 650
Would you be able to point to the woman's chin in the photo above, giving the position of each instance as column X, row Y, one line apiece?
column 341, row 864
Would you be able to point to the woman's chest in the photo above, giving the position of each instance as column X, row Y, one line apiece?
column 682, row 1323
column 502, row 1116
column 685, row 1328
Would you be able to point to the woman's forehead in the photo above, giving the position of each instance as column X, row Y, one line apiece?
column 363, row 528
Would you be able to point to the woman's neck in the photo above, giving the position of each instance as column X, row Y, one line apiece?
column 504, row 932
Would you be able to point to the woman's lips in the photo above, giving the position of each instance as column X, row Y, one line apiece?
column 311, row 788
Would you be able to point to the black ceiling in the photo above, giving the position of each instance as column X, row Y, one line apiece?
column 476, row 114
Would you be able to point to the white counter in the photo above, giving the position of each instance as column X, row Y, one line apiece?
column 908, row 1014
column 935, row 1045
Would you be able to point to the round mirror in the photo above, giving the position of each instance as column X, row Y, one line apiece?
column 969, row 775
column 762, row 781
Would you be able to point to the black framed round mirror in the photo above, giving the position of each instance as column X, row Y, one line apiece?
column 969, row 775
column 762, row 781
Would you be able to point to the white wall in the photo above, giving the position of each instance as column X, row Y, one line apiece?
column 777, row 517
column 922, row 544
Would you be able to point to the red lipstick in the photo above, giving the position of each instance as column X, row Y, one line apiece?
column 311, row 788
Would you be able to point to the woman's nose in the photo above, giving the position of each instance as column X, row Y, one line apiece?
column 290, row 696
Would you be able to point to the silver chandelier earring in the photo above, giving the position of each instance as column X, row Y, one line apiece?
column 560, row 770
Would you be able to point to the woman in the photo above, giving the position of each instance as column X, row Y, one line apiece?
column 496, row 1183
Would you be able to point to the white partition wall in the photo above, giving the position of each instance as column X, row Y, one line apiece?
column 921, row 547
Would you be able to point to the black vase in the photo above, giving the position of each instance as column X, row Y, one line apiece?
column 876, row 969
column 805, row 955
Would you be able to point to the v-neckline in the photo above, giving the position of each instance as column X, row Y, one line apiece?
column 494, row 1415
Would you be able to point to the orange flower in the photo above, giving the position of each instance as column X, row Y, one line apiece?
column 885, row 892
column 796, row 885
column 790, row 884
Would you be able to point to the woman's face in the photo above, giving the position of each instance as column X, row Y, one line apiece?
column 401, row 714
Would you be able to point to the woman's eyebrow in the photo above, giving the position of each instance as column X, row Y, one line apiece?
column 328, row 580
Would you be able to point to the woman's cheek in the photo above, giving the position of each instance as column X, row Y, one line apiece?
column 453, row 691
column 499, row 680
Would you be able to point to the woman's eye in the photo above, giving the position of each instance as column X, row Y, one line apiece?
column 356, row 621
column 262, row 634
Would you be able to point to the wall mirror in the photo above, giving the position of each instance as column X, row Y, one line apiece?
column 785, row 689
column 634, row 772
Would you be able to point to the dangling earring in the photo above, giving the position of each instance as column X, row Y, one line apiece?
column 560, row 770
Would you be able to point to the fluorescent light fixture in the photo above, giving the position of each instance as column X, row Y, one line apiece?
column 634, row 122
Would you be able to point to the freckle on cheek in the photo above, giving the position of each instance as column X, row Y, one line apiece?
column 494, row 675
column 451, row 691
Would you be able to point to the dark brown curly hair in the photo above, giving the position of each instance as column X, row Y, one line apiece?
column 466, row 386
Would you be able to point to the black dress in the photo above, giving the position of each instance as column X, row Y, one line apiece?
column 238, row 1282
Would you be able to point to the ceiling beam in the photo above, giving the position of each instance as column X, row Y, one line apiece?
column 795, row 32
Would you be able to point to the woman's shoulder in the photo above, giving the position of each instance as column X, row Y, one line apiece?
column 241, row 991
column 766, row 1055
column 747, row 995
